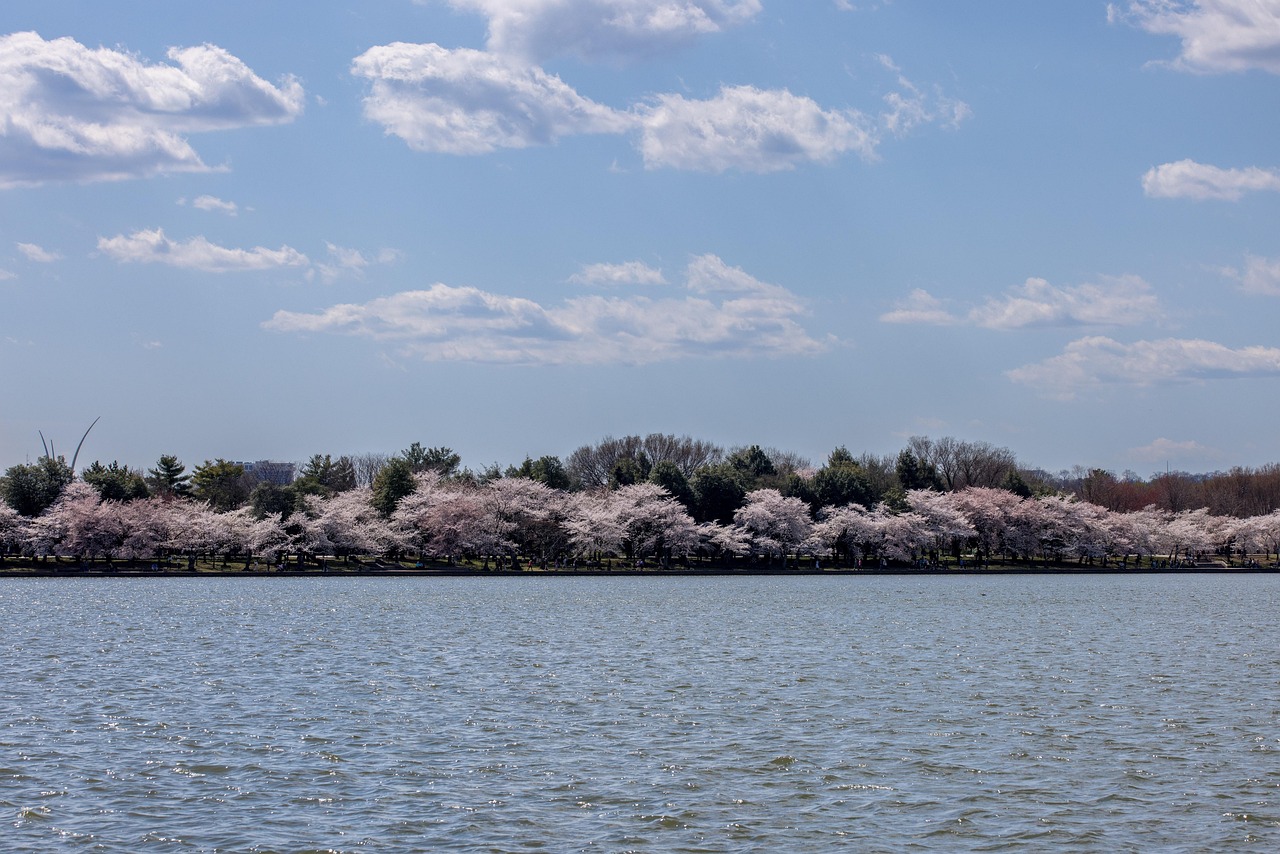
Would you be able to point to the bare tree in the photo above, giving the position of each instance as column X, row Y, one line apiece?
column 367, row 466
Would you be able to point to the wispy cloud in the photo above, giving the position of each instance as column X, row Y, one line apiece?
column 1099, row 360
column 1187, row 179
column 769, row 130
column 1112, row 301
column 726, row 312
column 1259, row 276
column 920, row 307
column 196, row 253
column 345, row 262
column 1217, row 35
column 38, row 254
column 74, row 113
column 215, row 205
column 1169, row 449
column 612, row 275
column 610, row 30
column 467, row 101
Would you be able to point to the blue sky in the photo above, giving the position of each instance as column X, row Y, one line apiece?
column 266, row 230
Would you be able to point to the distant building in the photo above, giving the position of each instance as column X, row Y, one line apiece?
column 269, row 471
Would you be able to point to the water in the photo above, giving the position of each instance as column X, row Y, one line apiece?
column 648, row 714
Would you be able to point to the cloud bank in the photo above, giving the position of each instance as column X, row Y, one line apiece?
column 197, row 253
column 73, row 113
column 1113, row 301
column 724, row 312
column 1217, row 35
column 1099, row 360
column 1187, row 179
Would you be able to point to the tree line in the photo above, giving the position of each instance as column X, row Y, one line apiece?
column 655, row 499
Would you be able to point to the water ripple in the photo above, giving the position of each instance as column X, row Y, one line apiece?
column 616, row 714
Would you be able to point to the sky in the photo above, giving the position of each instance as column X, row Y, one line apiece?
column 512, row 227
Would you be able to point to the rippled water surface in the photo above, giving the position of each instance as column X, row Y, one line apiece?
column 651, row 714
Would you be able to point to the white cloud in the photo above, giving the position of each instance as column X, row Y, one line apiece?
column 197, row 253
column 350, row 262
column 1216, row 35
column 769, row 130
column 5, row 275
column 215, row 204
column 920, row 307
column 444, row 323
column 465, row 101
column 38, row 254
column 1260, row 276
column 537, row 30
column 627, row 273
column 72, row 113
column 910, row 107
column 1167, row 449
column 750, row 129
column 1190, row 180
column 1097, row 360
column 1114, row 301
column 470, row 102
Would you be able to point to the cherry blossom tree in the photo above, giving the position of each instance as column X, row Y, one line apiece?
column 12, row 530
column 947, row 525
column 654, row 523
column 520, row 516
column 776, row 525
column 845, row 531
column 353, row 525
column 990, row 512
column 903, row 536
column 593, row 524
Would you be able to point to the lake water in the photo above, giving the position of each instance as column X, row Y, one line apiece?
column 1087, row 713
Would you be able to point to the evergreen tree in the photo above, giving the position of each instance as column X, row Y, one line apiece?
column 222, row 484
column 32, row 488
column 393, row 483
column 115, row 482
column 914, row 474
column 669, row 476
column 167, row 480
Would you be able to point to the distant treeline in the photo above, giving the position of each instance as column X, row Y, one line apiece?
column 650, row 500
column 709, row 480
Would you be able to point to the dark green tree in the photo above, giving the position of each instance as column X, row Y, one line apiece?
column 115, row 482
column 441, row 460
column 915, row 474
column 1014, row 482
column 393, row 482
column 718, row 492
column 32, row 488
column 835, row 487
column 167, row 479
column 629, row 470
column 221, row 483
column 841, row 481
column 343, row 475
column 323, row 475
column 548, row 470
column 668, row 475
column 270, row 499
column 753, row 463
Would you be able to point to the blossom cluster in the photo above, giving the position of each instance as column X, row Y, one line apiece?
column 513, row 521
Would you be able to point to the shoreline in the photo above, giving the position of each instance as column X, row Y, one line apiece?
column 647, row 573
